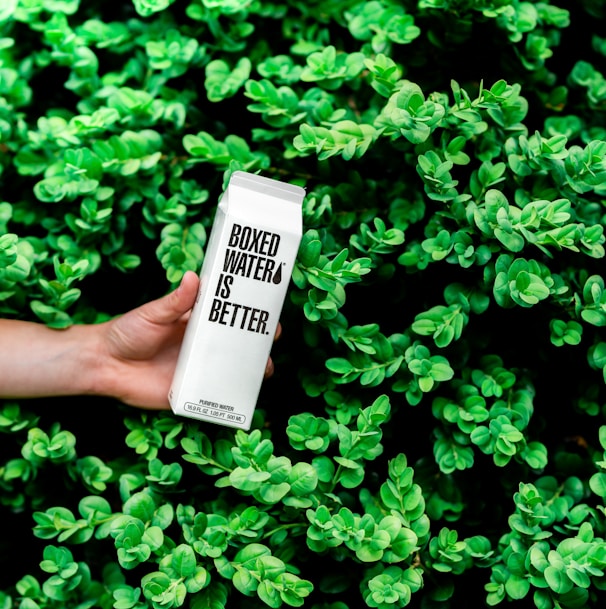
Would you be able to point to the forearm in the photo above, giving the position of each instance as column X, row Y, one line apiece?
column 131, row 358
column 38, row 361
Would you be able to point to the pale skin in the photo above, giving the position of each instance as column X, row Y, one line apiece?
column 131, row 357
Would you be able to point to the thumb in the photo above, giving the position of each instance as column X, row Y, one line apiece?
column 171, row 307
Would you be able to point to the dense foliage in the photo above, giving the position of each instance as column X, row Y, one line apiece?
column 433, row 434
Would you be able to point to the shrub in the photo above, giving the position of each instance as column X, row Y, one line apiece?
column 434, row 433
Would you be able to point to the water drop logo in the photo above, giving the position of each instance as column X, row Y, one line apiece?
column 277, row 278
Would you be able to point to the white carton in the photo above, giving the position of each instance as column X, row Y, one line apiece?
column 245, row 274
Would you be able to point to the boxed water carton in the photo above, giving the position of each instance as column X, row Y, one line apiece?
column 247, row 267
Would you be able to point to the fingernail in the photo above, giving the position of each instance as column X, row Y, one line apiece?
column 269, row 368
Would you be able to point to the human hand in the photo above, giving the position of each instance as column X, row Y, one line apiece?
column 141, row 347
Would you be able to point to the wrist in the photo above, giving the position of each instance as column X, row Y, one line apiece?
column 92, row 374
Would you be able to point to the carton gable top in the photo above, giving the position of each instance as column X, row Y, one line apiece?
column 267, row 186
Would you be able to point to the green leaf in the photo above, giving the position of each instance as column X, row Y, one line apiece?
column 557, row 580
column 141, row 506
column 248, row 479
column 222, row 81
column 273, row 493
column 597, row 483
column 7, row 9
column 183, row 560
column 303, row 479
column 517, row 587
